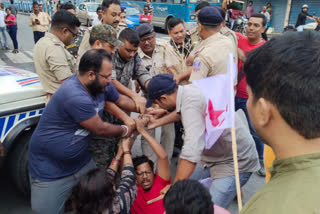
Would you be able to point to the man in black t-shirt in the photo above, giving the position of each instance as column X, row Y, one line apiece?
column 301, row 21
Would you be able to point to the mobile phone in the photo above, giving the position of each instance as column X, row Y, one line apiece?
column 236, row 5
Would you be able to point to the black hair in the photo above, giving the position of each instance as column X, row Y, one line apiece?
column 201, row 5
column 269, row 3
column 188, row 197
column 146, row 6
column 92, row 60
column 34, row 3
column 261, row 16
column 174, row 21
column 98, row 8
column 94, row 193
column 221, row 11
column 131, row 36
column 290, row 79
column 106, row 3
column 64, row 18
column 67, row 6
column 140, row 160
column 251, row 2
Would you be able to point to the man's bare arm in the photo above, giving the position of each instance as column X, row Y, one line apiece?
column 139, row 101
column 126, row 103
column 113, row 109
column 98, row 127
column 184, row 170
column 163, row 169
column 169, row 118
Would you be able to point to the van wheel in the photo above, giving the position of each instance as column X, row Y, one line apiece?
column 18, row 162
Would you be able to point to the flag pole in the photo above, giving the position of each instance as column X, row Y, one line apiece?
column 236, row 167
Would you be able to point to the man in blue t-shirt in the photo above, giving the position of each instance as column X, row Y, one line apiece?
column 58, row 151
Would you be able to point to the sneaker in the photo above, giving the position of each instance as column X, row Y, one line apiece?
column 15, row 51
column 261, row 172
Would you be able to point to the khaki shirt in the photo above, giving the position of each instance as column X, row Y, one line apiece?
column 195, row 40
column 192, row 105
column 53, row 62
column 157, row 63
column 234, row 39
column 44, row 22
column 177, row 59
column 212, row 57
column 85, row 45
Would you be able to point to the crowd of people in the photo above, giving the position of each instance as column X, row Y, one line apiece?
column 80, row 154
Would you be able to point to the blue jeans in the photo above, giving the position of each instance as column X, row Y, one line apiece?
column 37, row 35
column 4, row 41
column 12, row 30
column 49, row 196
column 232, row 21
column 241, row 103
column 222, row 190
column 300, row 28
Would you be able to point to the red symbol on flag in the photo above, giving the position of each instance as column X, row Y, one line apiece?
column 214, row 115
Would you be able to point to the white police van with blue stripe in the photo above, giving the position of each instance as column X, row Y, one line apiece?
column 22, row 101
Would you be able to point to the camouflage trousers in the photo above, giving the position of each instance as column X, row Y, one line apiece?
column 104, row 149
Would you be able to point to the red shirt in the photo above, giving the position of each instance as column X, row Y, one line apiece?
column 146, row 17
column 246, row 47
column 140, row 205
column 236, row 14
column 10, row 18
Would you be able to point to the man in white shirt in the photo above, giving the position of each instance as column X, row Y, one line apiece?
column 3, row 39
column 97, row 20
column 39, row 22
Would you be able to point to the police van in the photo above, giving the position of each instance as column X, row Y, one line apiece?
column 22, row 102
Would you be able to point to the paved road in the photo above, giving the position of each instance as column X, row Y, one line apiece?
column 11, row 201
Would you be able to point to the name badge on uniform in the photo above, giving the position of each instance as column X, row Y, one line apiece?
column 196, row 66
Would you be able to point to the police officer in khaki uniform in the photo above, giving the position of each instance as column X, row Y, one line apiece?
column 230, row 34
column 194, row 34
column 111, row 11
column 153, row 55
column 53, row 62
column 212, row 56
column 75, row 44
column 195, row 38
column 178, row 49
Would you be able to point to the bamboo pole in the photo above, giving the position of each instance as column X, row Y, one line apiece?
column 236, row 167
column 286, row 19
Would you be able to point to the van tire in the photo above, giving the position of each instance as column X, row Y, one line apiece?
column 18, row 162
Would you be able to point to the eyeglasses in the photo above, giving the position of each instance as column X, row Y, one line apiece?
column 105, row 77
column 73, row 34
column 148, row 172
column 147, row 39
